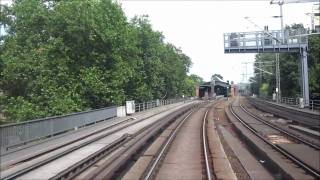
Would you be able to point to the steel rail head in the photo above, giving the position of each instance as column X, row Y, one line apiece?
column 107, row 169
column 306, row 118
column 279, row 129
column 73, row 171
column 155, row 163
column 21, row 172
column 142, row 133
column 205, row 147
column 287, row 154
column 32, row 167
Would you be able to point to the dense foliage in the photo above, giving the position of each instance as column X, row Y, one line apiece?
column 264, row 84
column 64, row 56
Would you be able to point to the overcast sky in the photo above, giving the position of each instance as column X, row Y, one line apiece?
column 197, row 27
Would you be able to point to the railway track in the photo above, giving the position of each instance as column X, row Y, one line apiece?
column 297, row 158
column 113, row 167
column 152, row 169
column 135, row 140
column 132, row 138
column 156, row 163
column 306, row 118
column 289, row 134
column 206, row 148
column 7, row 164
column 22, row 168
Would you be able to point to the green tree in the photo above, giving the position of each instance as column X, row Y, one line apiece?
column 314, row 64
column 64, row 56
column 290, row 69
column 191, row 82
column 59, row 57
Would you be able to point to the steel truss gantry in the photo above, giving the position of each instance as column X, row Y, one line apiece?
column 285, row 41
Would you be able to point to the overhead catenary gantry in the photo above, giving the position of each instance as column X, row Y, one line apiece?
column 270, row 42
column 280, row 41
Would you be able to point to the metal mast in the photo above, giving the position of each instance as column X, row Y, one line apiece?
column 278, row 87
column 303, row 58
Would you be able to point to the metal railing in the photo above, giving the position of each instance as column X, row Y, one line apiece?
column 314, row 105
column 156, row 103
column 16, row 134
column 13, row 135
column 290, row 101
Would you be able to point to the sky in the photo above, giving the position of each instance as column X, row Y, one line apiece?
column 197, row 28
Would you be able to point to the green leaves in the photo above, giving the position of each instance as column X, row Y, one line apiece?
column 290, row 70
column 314, row 64
column 19, row 108
column 65, row 56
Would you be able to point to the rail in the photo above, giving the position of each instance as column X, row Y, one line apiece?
column 150, row 172
column 302, row 116
column 287, row 133
column 279, row 149
column 113, row 166
column 16, row 134
column 206, row 147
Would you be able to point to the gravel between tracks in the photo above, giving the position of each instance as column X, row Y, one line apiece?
column 279, row 122
column 220, row 119
column 183, row 160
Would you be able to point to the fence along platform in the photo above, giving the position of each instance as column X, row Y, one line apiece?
column 265, row 41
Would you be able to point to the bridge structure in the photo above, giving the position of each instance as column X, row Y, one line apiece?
column 286, row 41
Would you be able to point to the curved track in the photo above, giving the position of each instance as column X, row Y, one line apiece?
column 284, row 151
column 150, row 172
column 156, row 165
column 301, row 116
column 293, row 136
column 25, row 169
column 206, row 147
column 18, row 157
column 107, row 166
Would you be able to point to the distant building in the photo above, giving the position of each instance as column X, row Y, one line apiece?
column 216, row 87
